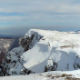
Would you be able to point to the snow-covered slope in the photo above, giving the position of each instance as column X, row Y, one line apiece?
column 55, row 50
column 56, row 75
column 45, row 51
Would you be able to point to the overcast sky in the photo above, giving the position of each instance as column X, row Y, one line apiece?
column 20, row 13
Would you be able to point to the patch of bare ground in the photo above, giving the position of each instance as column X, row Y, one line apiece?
column 67, row 46
column 71, row 78
column 58, row 76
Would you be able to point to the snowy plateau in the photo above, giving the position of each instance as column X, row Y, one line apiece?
column 44, row 55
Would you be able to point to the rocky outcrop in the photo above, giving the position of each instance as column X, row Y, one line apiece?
column 13, row 63
column 42, row 51
column 26, row 42
column 29, row 40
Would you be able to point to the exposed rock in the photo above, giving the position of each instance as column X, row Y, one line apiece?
column 26, row 42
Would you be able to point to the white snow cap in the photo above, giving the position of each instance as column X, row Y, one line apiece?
column 62, row 47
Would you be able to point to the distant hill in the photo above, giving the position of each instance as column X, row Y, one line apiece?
column 14, row 44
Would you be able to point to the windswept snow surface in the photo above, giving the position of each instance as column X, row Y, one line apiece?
column 55, row 75
column 61, row 50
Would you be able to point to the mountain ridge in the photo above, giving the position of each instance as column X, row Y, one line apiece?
column 43, row 51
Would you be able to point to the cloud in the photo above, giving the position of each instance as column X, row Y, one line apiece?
column 40, row 5
column 39, row 12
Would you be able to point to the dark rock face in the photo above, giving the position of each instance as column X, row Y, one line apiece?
column 51, row 68
column 29, row 41
column 26, row 42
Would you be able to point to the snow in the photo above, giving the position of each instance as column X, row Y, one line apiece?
column 61, row 47
column 74, row 73
column 45, row 76
column 36, row 58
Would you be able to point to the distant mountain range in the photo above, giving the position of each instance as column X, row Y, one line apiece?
column 10, row 36
column 13, row 32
